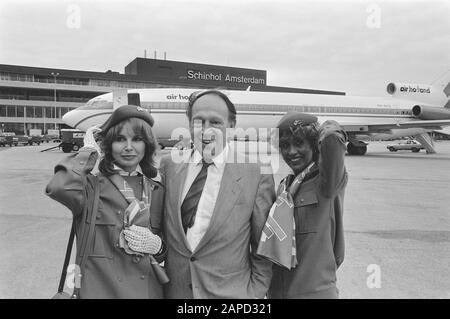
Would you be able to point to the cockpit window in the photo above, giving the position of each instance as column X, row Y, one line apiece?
column 96, row 104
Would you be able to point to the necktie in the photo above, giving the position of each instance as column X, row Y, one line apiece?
column 190, row 203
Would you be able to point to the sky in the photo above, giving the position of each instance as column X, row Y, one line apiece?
column 353, row 46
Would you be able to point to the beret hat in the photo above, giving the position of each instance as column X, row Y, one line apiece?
column 294, row 119
column 125, row 112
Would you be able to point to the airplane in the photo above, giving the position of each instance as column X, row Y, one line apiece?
column 410, row 110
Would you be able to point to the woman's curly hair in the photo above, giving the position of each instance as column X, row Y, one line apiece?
column 308, row 132
column 140, row 127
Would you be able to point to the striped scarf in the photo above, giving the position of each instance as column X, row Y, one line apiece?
column 138, row 211
column 277, row 242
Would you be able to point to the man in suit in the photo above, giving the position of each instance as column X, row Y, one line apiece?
column 215, row 208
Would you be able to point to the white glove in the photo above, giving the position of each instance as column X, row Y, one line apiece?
column 141, row 239
column 89, row 139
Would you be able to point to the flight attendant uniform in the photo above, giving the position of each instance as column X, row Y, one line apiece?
column 110, row 271
column 319, row 232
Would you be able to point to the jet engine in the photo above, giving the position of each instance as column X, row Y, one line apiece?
column 430, row 112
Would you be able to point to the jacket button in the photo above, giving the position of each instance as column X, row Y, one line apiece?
column 119, row 278
column 193, row 258
column 136, row 259
column 119, row 212
column 142, row 277
column 301, row 200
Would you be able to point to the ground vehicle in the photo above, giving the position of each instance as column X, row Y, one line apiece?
column 8, row 138
column 406, row 145
column 71, row 140
column 21, row 139
column 35, row 139
column 47, row 138
column 35, row 136
column 3, row 141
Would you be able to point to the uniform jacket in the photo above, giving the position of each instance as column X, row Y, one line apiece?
column 110, row 272
column 318, row 224
column 224, row 264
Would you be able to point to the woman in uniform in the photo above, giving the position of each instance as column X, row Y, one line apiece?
column 127, row 234
column 308, row 209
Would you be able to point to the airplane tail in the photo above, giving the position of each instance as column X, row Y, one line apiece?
column 442, row 85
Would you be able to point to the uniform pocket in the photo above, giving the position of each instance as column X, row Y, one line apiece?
column 306, row 205
column 105, row 232
column 105, row 216
column 102, row 242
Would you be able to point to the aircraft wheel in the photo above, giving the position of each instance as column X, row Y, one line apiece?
column 356, row 149
column 415, row 150
column 66, row 148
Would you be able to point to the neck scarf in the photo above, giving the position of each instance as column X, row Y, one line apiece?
column 121, row 172
column 277, row 242
column 138, row 211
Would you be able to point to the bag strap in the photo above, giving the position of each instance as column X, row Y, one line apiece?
column 67, row 258
column 84, row 252
column 90, row 232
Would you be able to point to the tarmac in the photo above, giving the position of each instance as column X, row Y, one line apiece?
column 397, row 224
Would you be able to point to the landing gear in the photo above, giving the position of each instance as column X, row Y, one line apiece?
column 357, row 148
column 67, row 148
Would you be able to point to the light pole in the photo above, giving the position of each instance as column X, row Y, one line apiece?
column 54, row 77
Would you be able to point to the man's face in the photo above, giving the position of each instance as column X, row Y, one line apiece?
column 296, row 152
column 208, row 124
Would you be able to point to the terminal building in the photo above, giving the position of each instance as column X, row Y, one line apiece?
column 37, row 98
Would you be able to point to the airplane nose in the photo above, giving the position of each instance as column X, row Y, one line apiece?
column 70, row 118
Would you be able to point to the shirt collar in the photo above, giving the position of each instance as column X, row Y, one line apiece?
column 121, row 172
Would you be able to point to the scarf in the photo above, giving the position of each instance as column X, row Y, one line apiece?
column 138, row 211
column 277, row 242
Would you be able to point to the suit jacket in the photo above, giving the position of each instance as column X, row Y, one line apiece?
column 224, row 264
column 109, row 271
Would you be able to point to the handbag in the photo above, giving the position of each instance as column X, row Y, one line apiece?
column 61, row 294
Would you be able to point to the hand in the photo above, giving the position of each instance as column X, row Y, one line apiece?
column 141, row 239
column 89, row 138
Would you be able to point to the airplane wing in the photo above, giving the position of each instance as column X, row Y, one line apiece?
column 445, row 131
column 385, row 127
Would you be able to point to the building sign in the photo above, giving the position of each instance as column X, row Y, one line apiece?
column 225, row 77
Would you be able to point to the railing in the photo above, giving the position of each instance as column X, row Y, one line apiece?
column 89, row 83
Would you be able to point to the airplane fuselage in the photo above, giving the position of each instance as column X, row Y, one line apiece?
column 256, row 110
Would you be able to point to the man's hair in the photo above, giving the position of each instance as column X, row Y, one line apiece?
column 309, row 133
column 140, row 127
column 198, row 94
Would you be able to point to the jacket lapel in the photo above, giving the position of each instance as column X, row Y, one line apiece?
column 117, row 181
column 178, row 184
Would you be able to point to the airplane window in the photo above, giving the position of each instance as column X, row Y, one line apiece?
column 98, row 104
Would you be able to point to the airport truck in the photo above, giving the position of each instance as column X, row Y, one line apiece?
column 35, row 136
column 71, row 140
column 21, row 139
column 7, row 138
column 4, row 141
